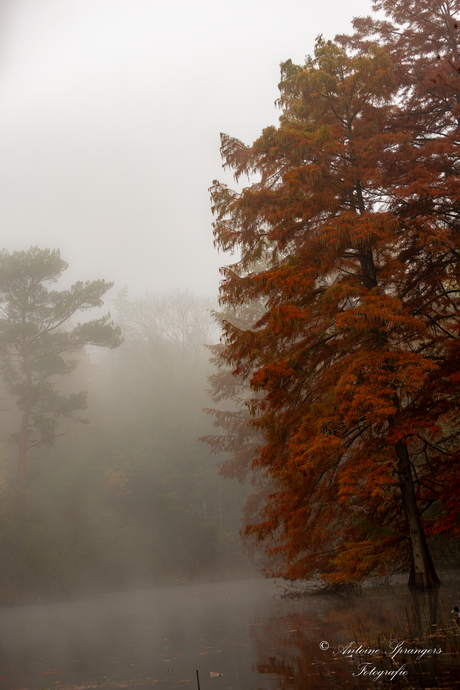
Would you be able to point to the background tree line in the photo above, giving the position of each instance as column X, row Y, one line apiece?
column 132, row 498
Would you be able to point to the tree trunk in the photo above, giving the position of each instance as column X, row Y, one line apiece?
column 22, row 465
column 422, row 572
column 23, row 435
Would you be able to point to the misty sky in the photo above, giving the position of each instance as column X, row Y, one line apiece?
column 110, row 118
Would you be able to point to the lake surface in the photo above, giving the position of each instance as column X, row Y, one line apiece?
column 387, row 637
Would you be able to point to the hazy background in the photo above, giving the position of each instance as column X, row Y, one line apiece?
column 110, row 114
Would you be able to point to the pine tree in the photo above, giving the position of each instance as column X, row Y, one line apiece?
column 36, row 341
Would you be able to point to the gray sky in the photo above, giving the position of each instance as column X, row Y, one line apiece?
column 110, row 118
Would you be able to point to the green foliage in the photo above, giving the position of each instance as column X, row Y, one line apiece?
column 36, row 341
column 132, row 499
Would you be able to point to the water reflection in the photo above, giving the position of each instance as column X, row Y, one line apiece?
column 143, row 639
column 384, row 638
column 239, row 637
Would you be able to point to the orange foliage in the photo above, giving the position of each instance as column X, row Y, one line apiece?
column 350, row 244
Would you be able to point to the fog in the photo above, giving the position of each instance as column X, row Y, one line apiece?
column 132, row 499
column 109, row 131
column 239, row 635
column 139, row 638
column 110, row 119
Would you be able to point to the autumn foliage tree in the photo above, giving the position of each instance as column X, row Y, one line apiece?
column 422, row 39
column 354, row 362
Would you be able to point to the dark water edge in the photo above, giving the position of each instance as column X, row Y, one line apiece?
column 388, row 637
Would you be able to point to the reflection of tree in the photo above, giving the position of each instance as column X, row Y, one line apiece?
column 425, row 611
column 288, row 646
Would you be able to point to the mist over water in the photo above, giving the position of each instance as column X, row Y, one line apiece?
column 242, row 630
column 141, row 637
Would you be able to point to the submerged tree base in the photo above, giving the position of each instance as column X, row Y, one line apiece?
column 427, row 580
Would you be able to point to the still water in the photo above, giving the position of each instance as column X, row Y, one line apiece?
column 239, row 635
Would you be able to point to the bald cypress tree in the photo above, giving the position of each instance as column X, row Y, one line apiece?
column 354, row 359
